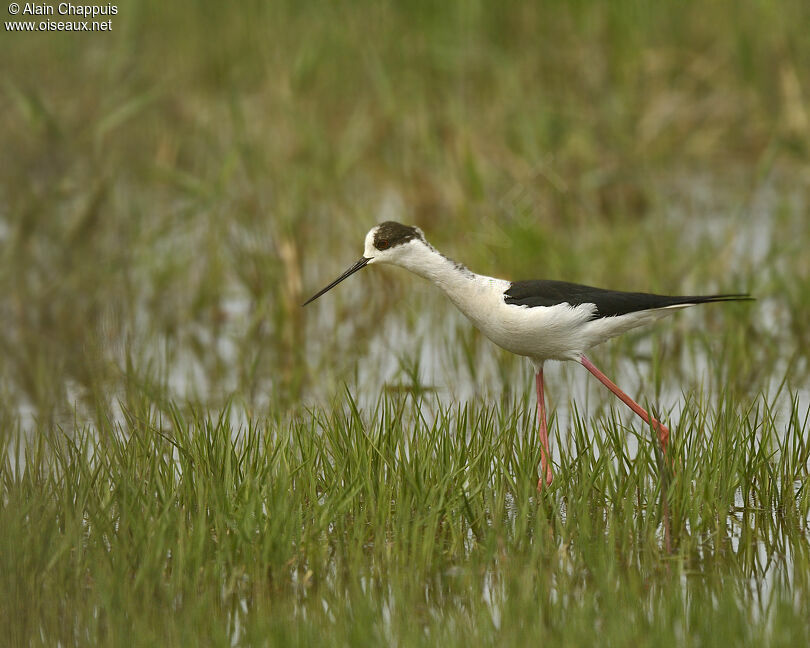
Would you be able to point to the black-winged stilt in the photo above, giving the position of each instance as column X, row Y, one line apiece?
column 540, row 319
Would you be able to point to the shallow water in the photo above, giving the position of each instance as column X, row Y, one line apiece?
column 419, row 343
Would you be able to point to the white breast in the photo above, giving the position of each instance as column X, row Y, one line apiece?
column 560, row 332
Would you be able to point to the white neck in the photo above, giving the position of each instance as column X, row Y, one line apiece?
column 425, row 261
column 477, row 296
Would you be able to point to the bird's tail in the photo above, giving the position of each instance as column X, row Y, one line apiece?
column 691, row 300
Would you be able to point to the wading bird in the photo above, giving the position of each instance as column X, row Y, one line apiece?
column 540, row 319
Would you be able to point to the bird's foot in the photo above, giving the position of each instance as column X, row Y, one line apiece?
column 545, row 481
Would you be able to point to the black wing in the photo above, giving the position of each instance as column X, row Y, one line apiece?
column 608, row 302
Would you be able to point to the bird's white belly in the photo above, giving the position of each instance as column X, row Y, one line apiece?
column 560, row 332
column 541, row 333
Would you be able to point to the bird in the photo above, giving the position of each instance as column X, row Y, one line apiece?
column 540, row 319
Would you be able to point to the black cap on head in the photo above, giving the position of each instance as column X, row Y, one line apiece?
column 390, row 234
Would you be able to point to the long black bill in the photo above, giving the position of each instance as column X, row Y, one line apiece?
column 357, row 266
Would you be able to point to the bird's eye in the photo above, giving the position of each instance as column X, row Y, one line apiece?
column 383, row 245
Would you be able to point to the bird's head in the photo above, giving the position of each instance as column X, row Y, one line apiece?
column 392, row 242
column 388, row 242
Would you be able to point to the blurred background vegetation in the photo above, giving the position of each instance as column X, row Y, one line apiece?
column 174, row 189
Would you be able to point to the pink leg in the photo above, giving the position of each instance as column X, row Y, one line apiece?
column 663, row 432
column 545, row 455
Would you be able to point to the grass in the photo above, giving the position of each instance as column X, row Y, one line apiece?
column 386, row 525
column 188, row 457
